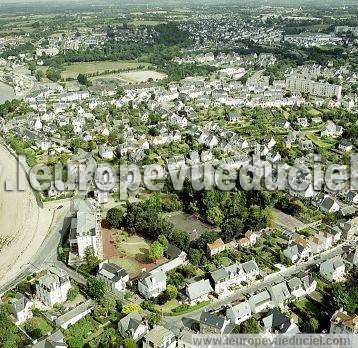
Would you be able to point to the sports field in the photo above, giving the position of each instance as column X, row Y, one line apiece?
column 72, row 70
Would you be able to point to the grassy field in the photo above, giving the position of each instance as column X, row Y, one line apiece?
column 189, row 223
column 129, row 265
column 141, row 76
column 72, row 70
column 319, row 142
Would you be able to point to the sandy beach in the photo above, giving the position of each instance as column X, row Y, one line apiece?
column 23, row 224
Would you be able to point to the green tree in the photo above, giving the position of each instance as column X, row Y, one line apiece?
column 156, row 251
column 130, row 308
column 171, row 291
column 231, row 228
column 313, row 325
column 91, row 261
column 39, row 75
column 53, row 74
column 96, row 288
column 115, row 217
column 153, row 319
column 83, row 80
column 163, row 241
column 72, row 293
column 250, row 326
column 215, row 216
column 129, row 343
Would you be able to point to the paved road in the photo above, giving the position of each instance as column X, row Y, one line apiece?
column 177, row 322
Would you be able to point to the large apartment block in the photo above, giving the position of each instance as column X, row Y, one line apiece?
column 319, row 89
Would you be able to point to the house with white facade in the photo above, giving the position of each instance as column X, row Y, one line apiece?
column 20, row 307
column 114, row 276
column 133, row 326
column 159, row 337
column 198, row 291
column 152, row 284
column 333, row 269
column 53, row 287
column 85, row 231
column 239, row 313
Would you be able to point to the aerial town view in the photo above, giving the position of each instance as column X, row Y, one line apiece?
column 178, row 173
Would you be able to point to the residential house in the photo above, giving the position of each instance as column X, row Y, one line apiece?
column 329, row 205
column 105, row 152
column 176, row 258
column 333, row 269
column 73, row 316
column 214, row 248
column 349, row 228
column 344, row 323
column 225, row 277
column 252, row 237
column 53, row 287
column 114, row 276
column 316, row 244
column 85, row 231
column 152, row 284
column 275, row 322
column 336, row 234
column 326, row 238
column 132, row 326
column 279, row 293
column 212, row 324
column 198, row 291
column 55, row 340
column 345, row 145
column 159, row 337
column 284, row 124
column 251, row 270
column 301, row 285
column 20, row 306
column 302, row 122
column 239, row 313
column 260, row 301
column 332, row 130
column 298, row 250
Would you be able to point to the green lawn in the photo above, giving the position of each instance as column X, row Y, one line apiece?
column 37, row 327
column 72, row 70
column 129, row 265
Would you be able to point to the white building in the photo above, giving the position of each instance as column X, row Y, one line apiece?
column 295, row 83
column 86, row 229
column 159, row 337
column 239, row 313
column 73, row 316
column 152, row 284
column 114, row 276
column 53, row 287
column 21, row 308
column 333, row 269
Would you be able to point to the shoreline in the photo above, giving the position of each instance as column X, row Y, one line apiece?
column 22, row 220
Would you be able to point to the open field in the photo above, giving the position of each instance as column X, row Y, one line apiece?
column 129, row 251
column 141, row 76
column 72, row 70
column 189, row 223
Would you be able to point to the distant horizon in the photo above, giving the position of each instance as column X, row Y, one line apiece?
column 183, row 2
